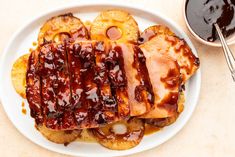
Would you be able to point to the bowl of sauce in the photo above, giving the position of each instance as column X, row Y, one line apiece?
column 200, row 16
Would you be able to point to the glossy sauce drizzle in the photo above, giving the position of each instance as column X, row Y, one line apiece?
column 23, row 110
column 62, row 87
column 81, row 85
column 150, row 129
column 117, row 77
column 33, row 87
column 92, row 93
column 76, row 88
column 182, row 47
column 107, row 100
column 171, row 81
column 144, row 91
column 48, row 78
column 170, row 102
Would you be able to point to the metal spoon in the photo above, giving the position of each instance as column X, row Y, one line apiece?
column 227, row 52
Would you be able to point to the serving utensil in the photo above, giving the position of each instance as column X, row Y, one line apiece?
column 227, row 52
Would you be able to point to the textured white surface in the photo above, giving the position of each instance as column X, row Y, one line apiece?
column 210, row 131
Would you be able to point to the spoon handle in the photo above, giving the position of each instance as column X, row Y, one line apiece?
column 227, row 52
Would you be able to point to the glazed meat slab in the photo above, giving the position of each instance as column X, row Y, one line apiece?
column 160, row 39
column 88, row 84
column 77, row 85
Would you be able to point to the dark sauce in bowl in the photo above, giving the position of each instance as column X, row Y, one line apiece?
column 202, row 14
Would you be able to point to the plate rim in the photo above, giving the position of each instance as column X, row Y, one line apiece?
column 61, row 8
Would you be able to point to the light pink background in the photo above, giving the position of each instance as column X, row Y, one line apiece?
column 209, row 133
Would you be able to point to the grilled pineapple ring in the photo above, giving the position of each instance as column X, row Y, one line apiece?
column 18, row 75
column 60, row 137
column 115, row 25
column 111, row 138
column 62, row 27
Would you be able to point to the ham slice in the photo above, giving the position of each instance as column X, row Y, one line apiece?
column 164, row 73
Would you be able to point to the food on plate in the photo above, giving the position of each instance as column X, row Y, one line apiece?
column 33, row 87
column 69, row 89
column 106, row 88
column 60, row 137
column 178, row 49
column 115, row 25
column 140, row 90
column 18, row 75
column 62, row 27
column 165, row 79
column 181, row 101
column 86, row 136
column 120, row 135
column 152, row 31
column 162, row 122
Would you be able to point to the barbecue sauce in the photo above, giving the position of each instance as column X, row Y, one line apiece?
column 118, row 80
column 202, row 14
column 171, row 81
column 150, row 129
column 76, row 89
column 107, row 100
column 144, row 91
column 85, row 84
column 23, row 110
column 182, row 47
column 47, row 74
column 92, row 92
column 169, row 102
column 33, row 92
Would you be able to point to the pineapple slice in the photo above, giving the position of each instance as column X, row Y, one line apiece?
column 18, row 75
column 120, row 135
column 62, row 27
column 86, row 136
column 115, row 25
column 60, row 137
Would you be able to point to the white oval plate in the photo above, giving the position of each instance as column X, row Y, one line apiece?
column 22, row 41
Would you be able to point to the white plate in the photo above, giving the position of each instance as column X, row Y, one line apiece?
column 22, row 41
